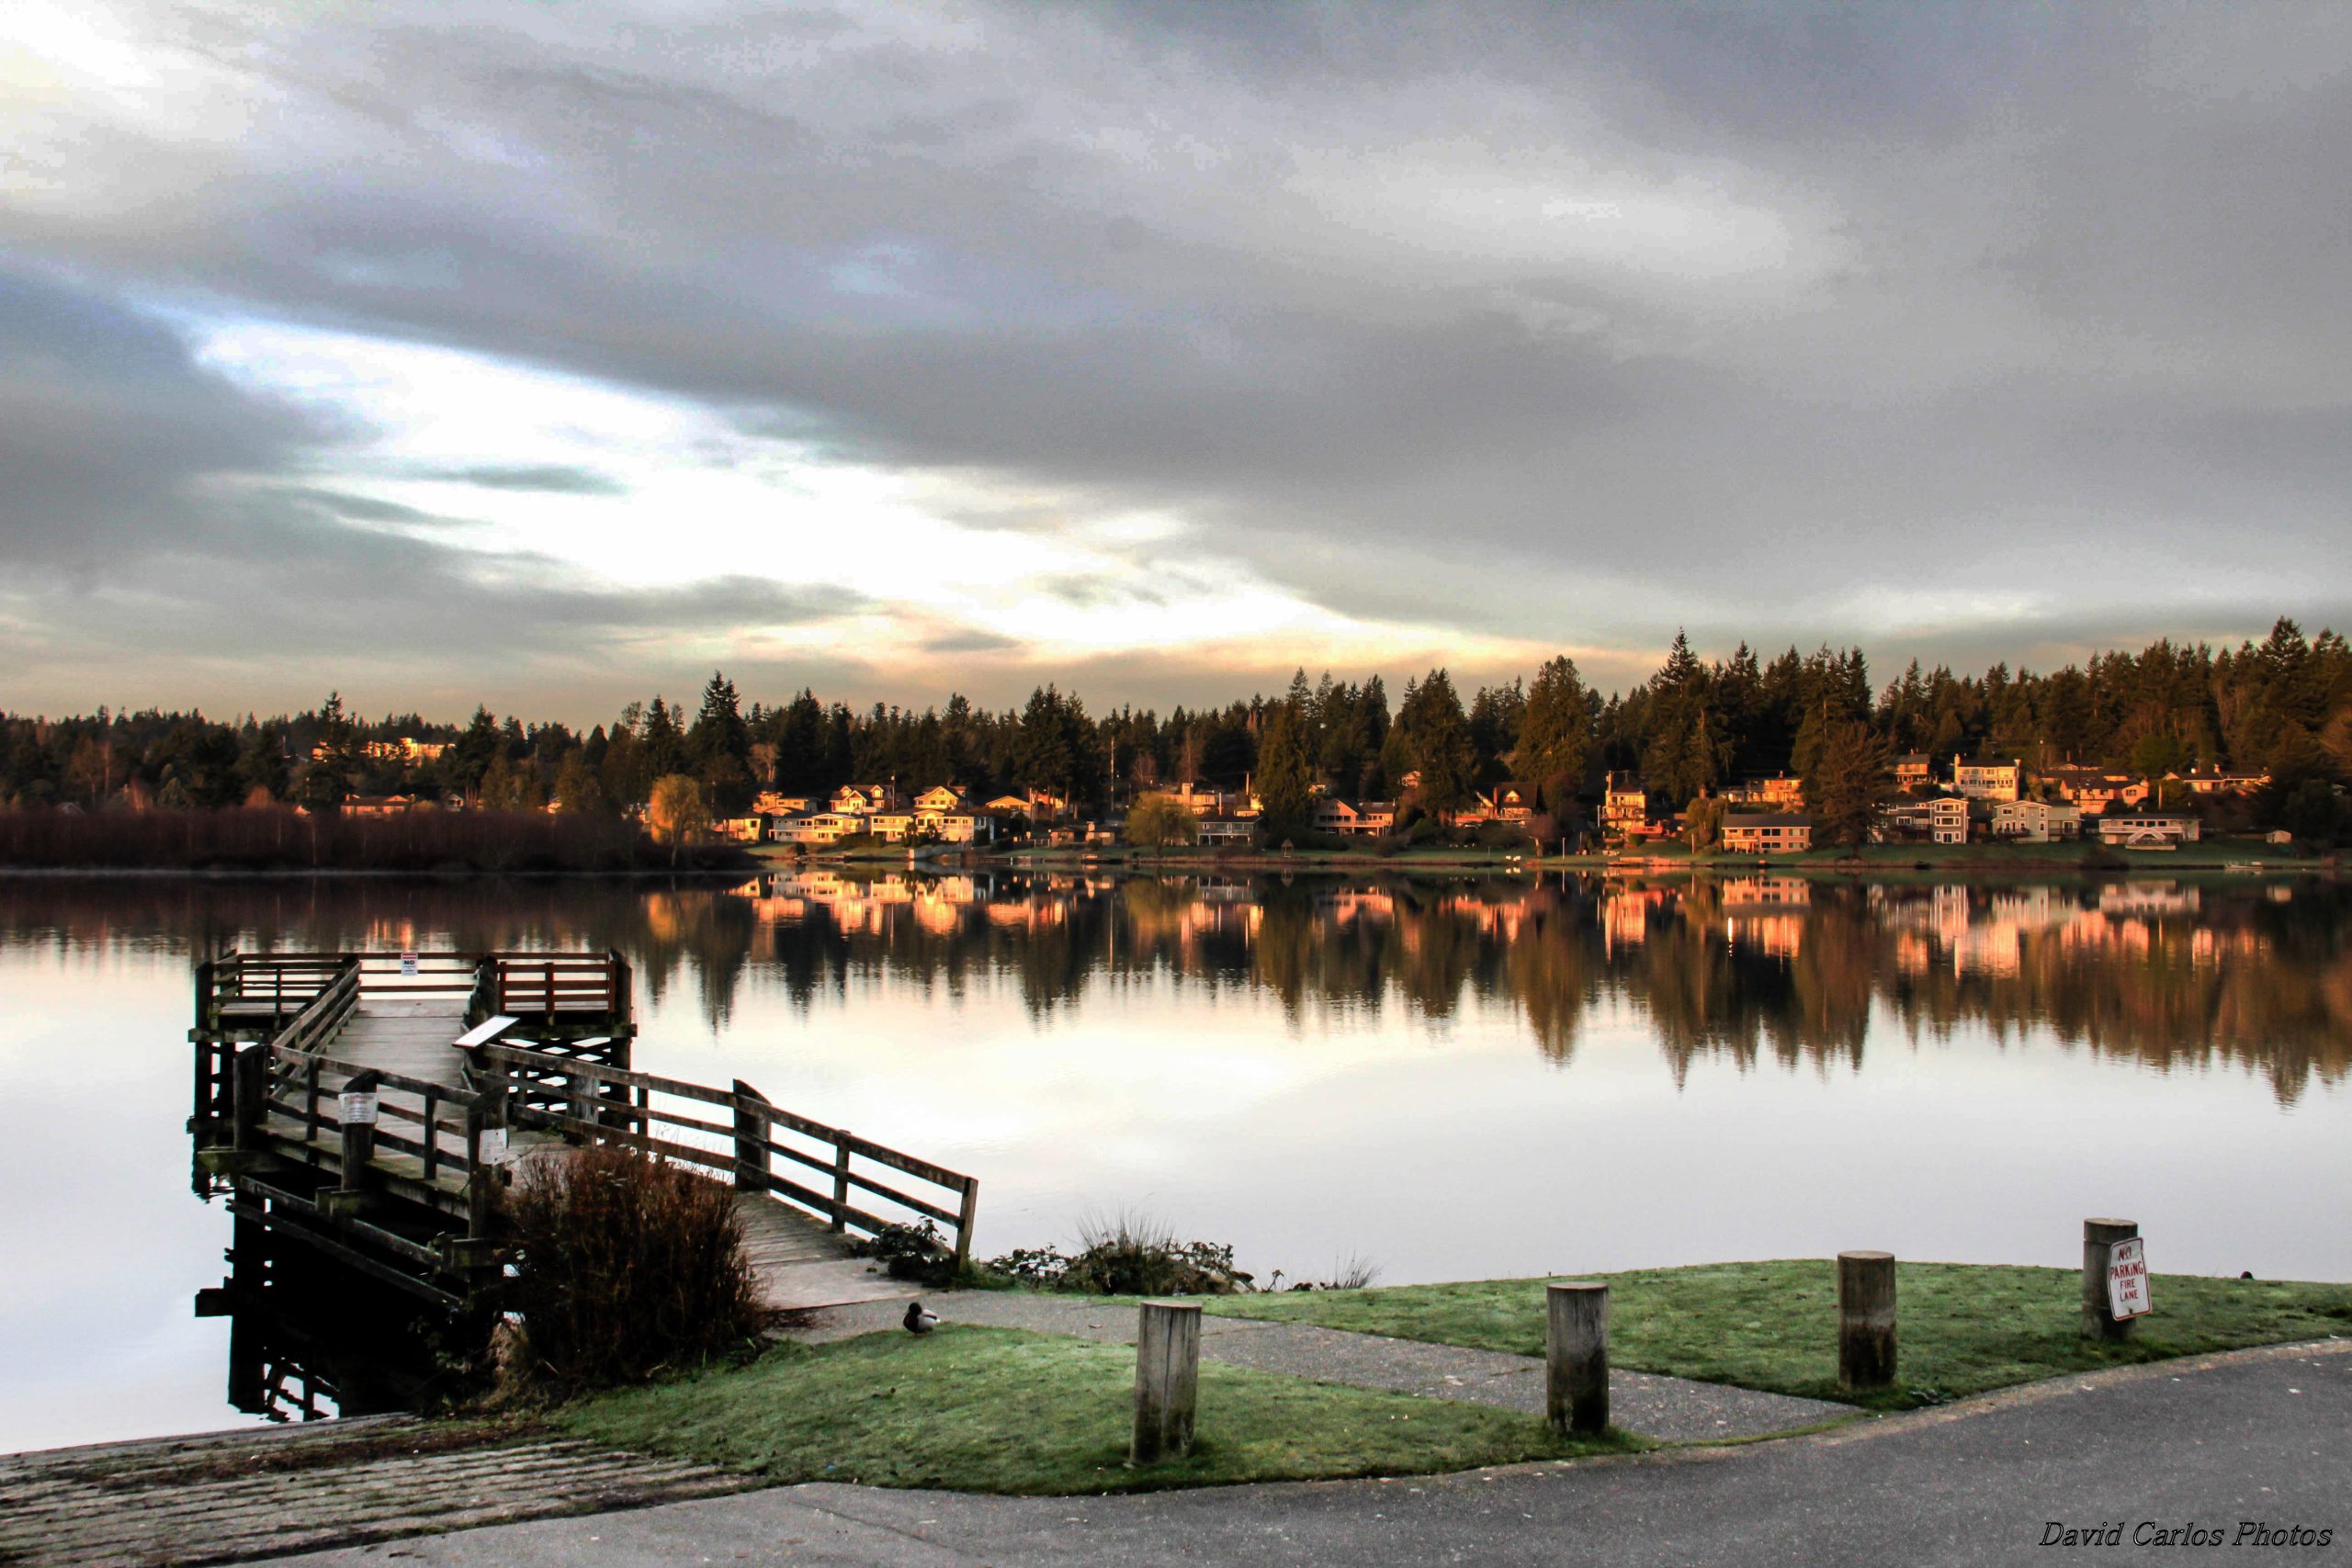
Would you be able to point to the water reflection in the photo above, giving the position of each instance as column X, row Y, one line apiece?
column 2166, row 973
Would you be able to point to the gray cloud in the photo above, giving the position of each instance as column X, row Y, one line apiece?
column 553, row 479
column 142, row 540
column 1931, row 327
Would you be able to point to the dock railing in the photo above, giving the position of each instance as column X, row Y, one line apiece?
column 840, row 1176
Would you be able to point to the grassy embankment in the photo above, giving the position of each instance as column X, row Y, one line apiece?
column 1003, row 1410
column 1961, row 1329
column 1000, row 1410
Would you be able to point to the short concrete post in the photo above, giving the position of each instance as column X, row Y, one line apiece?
column 1576, row 1357
column 1866, row 1319
column 1168, row 1373
column 2100, row 1321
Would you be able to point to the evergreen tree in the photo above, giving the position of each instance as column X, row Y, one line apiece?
column 1555, row 734
column 1284, row 776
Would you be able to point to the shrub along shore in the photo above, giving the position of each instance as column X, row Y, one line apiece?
column 1003, row 1410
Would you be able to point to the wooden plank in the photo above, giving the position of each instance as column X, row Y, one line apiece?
column 484, row 1033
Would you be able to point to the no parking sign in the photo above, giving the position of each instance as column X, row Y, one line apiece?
column 2127, row 1278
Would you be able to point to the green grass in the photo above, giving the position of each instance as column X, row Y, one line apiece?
column 1003, row 1410
column 1961, row 1329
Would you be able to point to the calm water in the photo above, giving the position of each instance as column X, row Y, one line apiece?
column 1456, row 1079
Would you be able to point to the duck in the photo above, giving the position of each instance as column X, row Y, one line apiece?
column 918, row 1320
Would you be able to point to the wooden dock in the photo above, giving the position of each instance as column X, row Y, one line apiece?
column 370, row 1104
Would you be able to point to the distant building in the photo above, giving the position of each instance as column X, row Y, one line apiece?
column 1510, row 802
column 2216, row 782
column 1368, row 819
column 1912, row 771
column 1781, row 791
column 1624, row 807
column 2097, row 790
column 748, row 829
column 1933, row 819
column 1988, row 781
column 1225, row 830
column 1764, row 833
column 768, row 803
column 2036, row 821
column 2147, row 832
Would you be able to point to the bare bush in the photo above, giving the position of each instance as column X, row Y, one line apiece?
column 630, row 1268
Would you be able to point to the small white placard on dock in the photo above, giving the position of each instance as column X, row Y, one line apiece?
column 358, row 1109
column 407, row 965
column 491, row 1149
column 2127, row 1278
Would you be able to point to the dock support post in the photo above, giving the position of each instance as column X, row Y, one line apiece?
column 752, row 1164
column 1168, row 1371
column 1576, row 1357
column 1865, row 1319
column 248, row 1096
column 2100, row 1321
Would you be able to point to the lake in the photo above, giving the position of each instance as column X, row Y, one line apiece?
column 1448, row 1078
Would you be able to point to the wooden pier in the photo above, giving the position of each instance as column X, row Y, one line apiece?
column 371, row 1105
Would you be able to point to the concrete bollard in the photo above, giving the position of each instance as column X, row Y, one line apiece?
column 1168, row 1373
column 1575, row 1356
column 2098, row 1317
column 1866, row 1319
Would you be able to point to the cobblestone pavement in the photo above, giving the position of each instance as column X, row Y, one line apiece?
column 232, row 1496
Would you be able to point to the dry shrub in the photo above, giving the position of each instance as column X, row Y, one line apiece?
column 631, row 1268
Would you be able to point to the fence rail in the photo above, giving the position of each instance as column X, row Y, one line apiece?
column 594, row 1102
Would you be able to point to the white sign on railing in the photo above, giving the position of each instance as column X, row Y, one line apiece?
column 2127, row 1278
column 358, row 1109
column 407, row 965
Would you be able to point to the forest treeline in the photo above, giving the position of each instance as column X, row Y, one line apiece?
column 2282, row 706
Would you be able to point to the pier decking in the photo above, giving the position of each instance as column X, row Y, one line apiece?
column 369, row 1105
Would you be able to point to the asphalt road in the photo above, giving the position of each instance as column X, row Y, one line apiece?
column 2261, row 1438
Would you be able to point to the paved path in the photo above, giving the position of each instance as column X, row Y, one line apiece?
column 1670, row 1409
column 2261, row 1436
column 232, row 1496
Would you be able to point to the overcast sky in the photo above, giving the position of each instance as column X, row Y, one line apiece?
column 550, row 355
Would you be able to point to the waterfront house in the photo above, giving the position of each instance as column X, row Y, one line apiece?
column 2218, row 782
column 1766, row 832
column 2097, row 790
column 768, row 803
column 1934, row 820
column 1509, row 802
column 2036, row 821
column 1911, row 771
column 1624, row 807
column 2148, row 832
column 1988, row 781
column 1368, row 819
column 861, row 800
column 1226, row 831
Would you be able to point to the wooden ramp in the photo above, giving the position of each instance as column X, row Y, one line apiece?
column 803, row 1266
column 802, row 1263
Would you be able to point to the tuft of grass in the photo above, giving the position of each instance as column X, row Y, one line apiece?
column 1961, row 1329
column 1007, row 1411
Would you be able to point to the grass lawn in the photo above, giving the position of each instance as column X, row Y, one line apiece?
column 1002, row 1410
column 1961, row 1329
